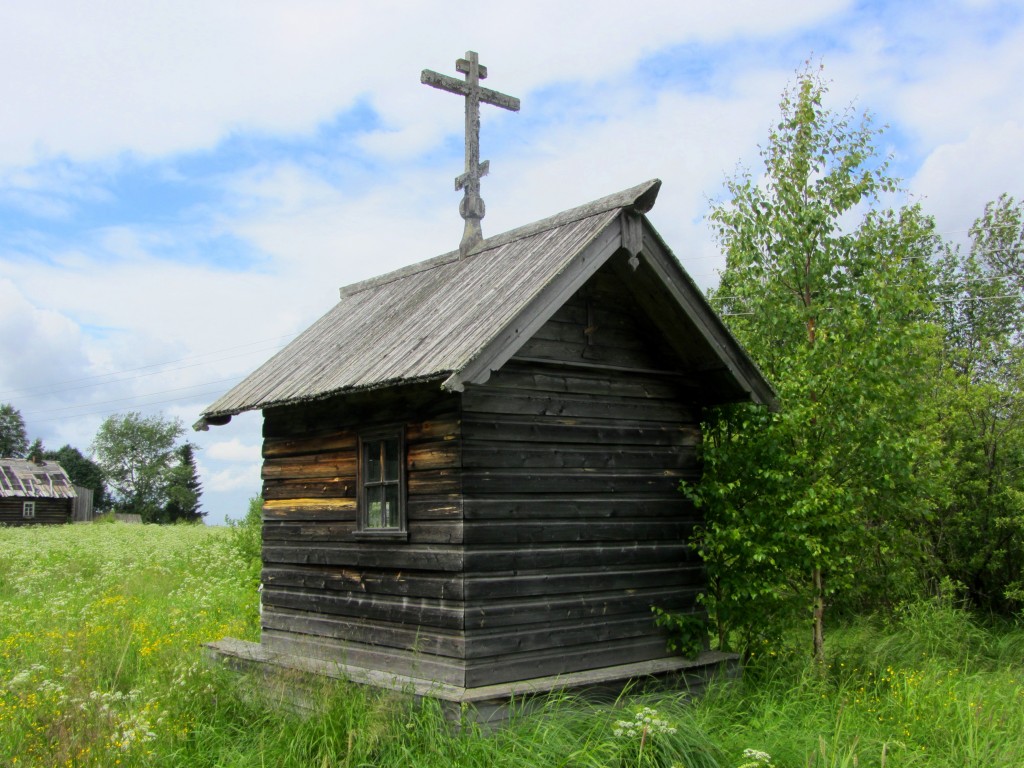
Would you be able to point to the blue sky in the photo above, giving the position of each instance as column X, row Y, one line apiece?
column 184, row 186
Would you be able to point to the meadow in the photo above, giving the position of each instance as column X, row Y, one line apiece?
column 101, row 628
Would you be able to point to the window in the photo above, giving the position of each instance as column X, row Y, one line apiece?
column 28, row 509
column 382, row 484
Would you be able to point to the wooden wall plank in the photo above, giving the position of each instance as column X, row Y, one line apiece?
column 442, row 614
column 366, row 631
column 556, row 581
column 381, row 581
column 574, row 524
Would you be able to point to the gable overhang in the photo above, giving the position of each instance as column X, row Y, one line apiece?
column 632, row 240
column 537, row 312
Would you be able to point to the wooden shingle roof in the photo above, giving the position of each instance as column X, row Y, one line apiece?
column 455, row 319
column 21, row 478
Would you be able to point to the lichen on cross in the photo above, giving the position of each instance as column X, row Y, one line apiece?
column 472, row 206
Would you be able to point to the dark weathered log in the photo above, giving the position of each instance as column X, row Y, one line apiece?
column 368, row 581
column 573, row 634
column 368, row 554
column 522, row 506
column 366, row 631
column 488, row 671
column 319, row 532
column 483, row 587
column 575, row 531
column 310, row 443
column 404, row 610
column 494, row 454
column 575, row 406
column 571, row 481
column 564, row 431
column 483, row 559
column 581, row 607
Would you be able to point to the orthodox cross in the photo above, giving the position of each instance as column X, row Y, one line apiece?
column 472, row 206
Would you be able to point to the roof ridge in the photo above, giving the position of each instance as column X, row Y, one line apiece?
column 639, row 199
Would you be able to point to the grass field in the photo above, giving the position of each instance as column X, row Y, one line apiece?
column 100, row 665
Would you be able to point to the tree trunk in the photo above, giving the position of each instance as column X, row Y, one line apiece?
column 819, row 616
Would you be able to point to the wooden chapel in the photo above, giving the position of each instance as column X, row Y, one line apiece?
column 471, row 465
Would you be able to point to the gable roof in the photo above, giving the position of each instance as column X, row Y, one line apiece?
column 21, row 478
column 456, row 319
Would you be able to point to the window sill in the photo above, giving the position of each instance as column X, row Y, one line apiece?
column 381, row 534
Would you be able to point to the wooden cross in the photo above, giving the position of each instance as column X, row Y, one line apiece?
column 472, row 206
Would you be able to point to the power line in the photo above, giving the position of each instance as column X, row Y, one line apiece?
column 136, row 397
column 107, row 410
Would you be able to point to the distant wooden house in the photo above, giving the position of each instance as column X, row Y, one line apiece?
column 35, row 493
column 471, row 465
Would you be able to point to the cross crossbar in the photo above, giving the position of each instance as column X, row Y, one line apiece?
column 453, row 85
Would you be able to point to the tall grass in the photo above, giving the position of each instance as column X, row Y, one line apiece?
column 100, row 665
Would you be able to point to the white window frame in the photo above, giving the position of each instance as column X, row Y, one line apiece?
column 28, row 510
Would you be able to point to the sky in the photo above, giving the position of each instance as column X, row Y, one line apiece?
column 185, row 185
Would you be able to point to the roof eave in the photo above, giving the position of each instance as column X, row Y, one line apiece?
column 219, row 418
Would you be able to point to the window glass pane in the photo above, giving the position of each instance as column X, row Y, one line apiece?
column 374, row 507
column 371, row 461
column 391, row 459
column 390, row 506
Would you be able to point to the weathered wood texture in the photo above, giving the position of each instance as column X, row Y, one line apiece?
column 574, row 524
column 330, row 595
column 48, row 511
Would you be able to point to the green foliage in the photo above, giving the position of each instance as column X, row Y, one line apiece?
column 183, row 488
column 831, row 296
column 687, row 632
column 101, row 633
column 980, row 534
column 13, row 440
column 35, row 451
column 82, row 471
column 247, row 537
column 137, row 455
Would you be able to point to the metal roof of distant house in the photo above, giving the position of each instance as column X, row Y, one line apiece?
column 22, row 478
column 456, row 319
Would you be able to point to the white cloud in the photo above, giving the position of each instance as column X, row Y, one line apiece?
column 238, row 478
column 957, row 179
column 96, row 80
column 36, row 343
column 233, row 450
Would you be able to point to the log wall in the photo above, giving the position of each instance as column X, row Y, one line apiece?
column 574, row 524
column 383, row 604
column 48, row 511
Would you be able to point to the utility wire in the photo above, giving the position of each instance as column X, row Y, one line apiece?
column 107, row 410
column 135, row 397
